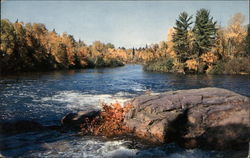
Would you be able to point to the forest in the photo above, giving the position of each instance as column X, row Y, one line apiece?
column 194, row 45
column 32, row 47
column 202, row 46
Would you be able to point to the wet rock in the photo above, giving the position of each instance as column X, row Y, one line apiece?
column 19, row 127
column 211, row 118
column 74, row 120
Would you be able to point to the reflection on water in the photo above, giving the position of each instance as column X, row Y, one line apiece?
column 46, row 97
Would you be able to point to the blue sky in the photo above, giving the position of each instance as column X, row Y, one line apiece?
column 123, row 23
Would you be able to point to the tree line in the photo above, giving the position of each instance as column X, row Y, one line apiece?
column 194, row 45
column 32, row 47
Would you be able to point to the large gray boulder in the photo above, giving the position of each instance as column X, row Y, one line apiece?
column 211, row 118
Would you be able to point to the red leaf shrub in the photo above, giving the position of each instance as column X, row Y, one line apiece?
column 109, row 123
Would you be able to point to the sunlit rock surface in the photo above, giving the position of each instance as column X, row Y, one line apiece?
column 211, row 118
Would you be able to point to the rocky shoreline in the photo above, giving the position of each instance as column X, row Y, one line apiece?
column 208, row 118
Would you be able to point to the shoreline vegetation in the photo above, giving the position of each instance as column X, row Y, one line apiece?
column 195, row 45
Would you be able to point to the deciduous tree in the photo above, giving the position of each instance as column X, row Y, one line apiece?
column 248, row 41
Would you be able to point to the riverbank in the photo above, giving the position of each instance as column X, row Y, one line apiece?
column 234, row 66
column 90, row 64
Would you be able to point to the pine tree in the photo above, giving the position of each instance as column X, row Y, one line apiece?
column 180, row 37
column 204, row 32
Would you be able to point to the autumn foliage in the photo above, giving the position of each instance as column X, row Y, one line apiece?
column 32, row 47
column 197, row 45
column 109, row 123
column 198, row 53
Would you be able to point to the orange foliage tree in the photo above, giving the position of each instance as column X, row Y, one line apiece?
column 235, row 36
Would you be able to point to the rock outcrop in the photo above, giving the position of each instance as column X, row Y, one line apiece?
column 74, row 120
column 70, row 121
column 211, row 118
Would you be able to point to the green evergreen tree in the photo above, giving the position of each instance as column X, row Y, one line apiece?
column 180, row 37
column 204, row 32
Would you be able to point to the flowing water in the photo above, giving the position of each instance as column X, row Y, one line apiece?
column 46, row 97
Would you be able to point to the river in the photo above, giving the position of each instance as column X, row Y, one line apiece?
column 46, row 97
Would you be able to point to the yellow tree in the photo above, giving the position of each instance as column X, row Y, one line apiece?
column 170, row 43
column 97, row 49
column 82, row 54
column 162, row 51
column 220, row 44
column 69, row 42
column 7, row 37
column 58, row 50
column 235, row 36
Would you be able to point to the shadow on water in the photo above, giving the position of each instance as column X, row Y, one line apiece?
column 23, row 144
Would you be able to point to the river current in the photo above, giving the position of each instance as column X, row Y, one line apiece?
column 46, row 97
